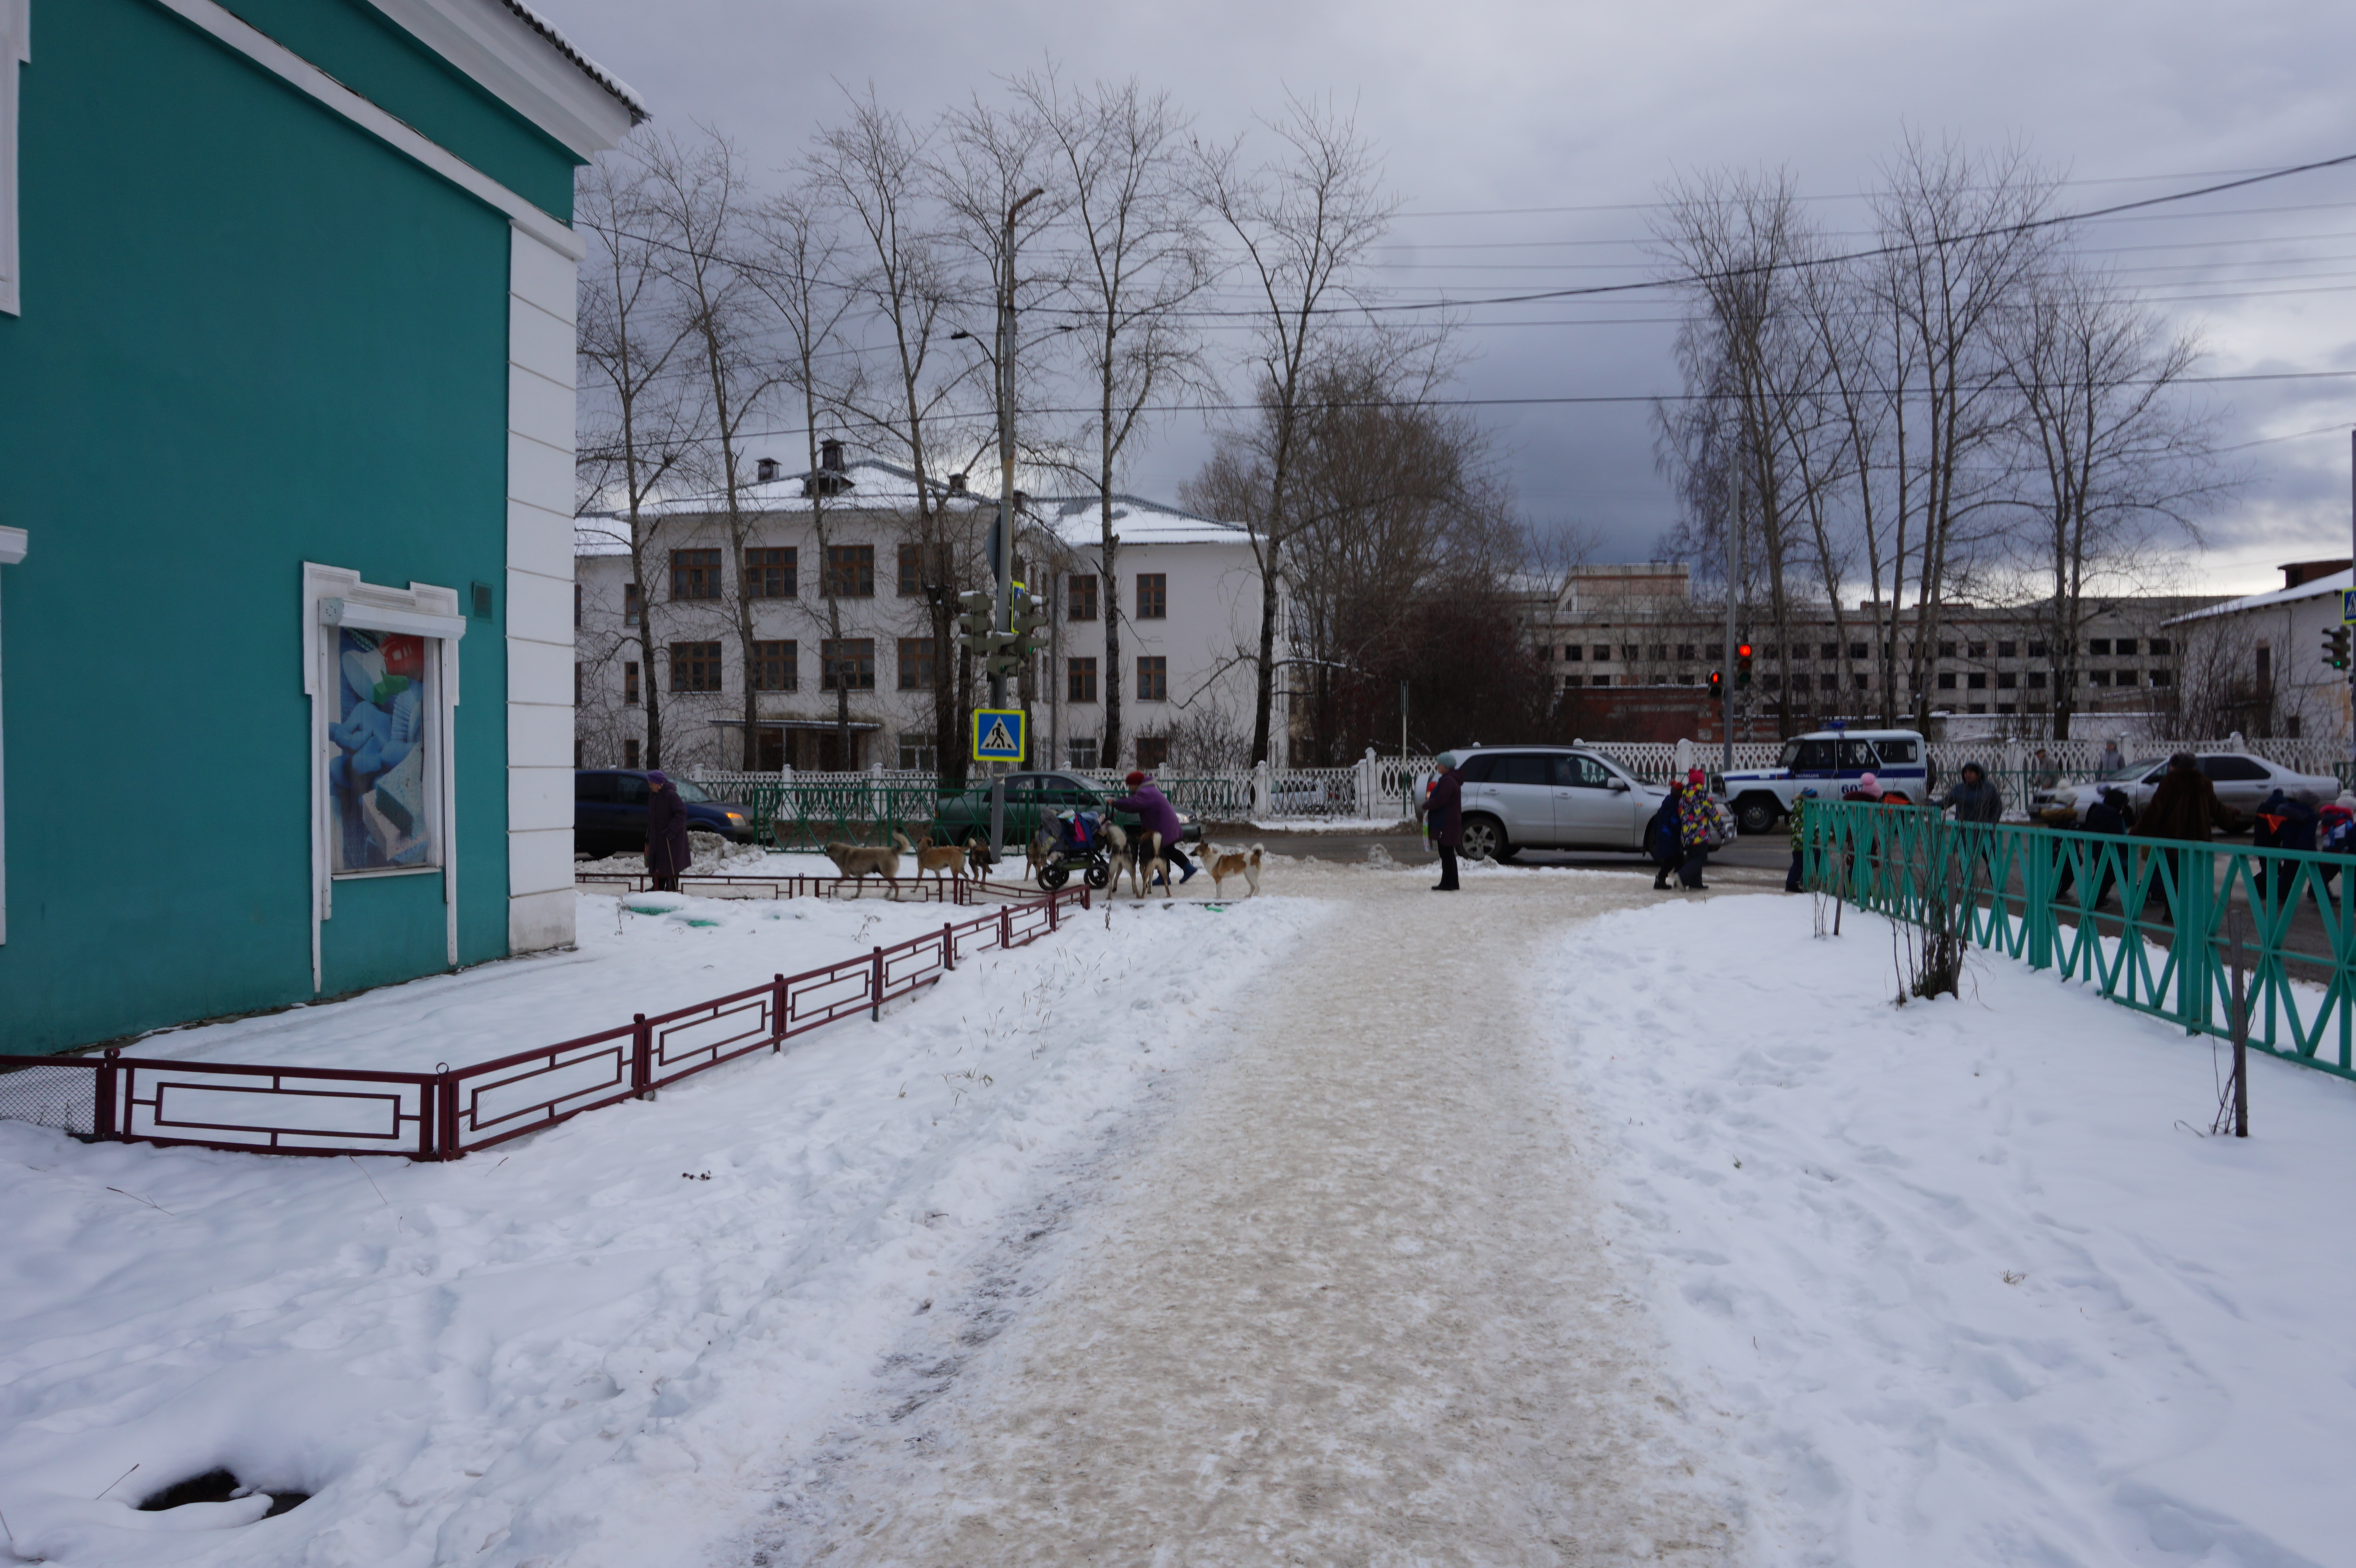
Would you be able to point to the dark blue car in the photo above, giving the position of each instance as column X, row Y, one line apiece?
column 609, row 811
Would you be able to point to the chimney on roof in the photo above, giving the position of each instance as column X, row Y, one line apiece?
column 830, row 455
column 1021, row 502
column 956, row 484
column 764, row 471
column 2298, row 574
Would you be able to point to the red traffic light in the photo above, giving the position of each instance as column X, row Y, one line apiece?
column 1742, row 650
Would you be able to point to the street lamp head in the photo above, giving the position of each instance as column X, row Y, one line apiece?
column 960, row 333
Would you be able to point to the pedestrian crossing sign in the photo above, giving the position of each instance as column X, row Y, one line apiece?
column 998, row 735
column 2348, row 606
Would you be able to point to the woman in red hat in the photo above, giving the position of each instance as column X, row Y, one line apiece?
column 1156, row 815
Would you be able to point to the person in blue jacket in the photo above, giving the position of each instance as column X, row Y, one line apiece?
column 1156, row 815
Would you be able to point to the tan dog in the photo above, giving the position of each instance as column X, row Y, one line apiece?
column 859, row 861
column 1234, row 863
column 938, row 861
column 1142, row 857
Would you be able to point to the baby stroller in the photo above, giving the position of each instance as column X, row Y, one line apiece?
column 1076, row 842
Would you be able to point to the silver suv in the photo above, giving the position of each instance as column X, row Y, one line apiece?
column 1551, row 797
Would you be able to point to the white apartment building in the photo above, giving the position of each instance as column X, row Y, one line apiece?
column 2258, row 664
column 1187, row 599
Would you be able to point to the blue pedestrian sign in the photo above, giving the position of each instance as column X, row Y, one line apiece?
column 2348, row 606
column 998, row 735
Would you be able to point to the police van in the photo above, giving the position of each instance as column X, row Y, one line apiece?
column 1829, row 761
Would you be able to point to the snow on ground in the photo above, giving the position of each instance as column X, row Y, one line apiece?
column 1958, row 1283
column 597, row 1345
column 636, row 952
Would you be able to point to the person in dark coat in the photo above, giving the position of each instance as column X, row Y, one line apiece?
column 2285, row 822
column 1156, row 815
column 1974, row 798
column 668, row 854
column 2184, row 808
column 1443, row 818
column 2110, row 814
column 1662, row 842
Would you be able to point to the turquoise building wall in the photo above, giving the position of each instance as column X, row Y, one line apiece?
column 251, row 336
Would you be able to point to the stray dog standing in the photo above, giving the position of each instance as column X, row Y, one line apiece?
column 1234, row 863
column 1141, row 854
column 940, row 860
column 859, row 861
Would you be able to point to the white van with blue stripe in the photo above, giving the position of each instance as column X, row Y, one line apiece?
column 1830, row 762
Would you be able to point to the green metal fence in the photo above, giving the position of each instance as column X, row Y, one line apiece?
column 2042, row 895
column 806, row 816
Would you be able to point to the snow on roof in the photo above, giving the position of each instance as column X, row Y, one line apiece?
column 1078, row 521
column 587, row 67
column 599, row 534
column 870, row 485
column 2313, row 588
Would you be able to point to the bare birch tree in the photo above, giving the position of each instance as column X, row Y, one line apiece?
column 1141, row 257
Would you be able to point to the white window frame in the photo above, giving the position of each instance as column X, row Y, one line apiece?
column 16, row 50
column 334, row 597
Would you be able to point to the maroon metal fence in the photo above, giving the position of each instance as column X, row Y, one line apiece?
column 451, row 1111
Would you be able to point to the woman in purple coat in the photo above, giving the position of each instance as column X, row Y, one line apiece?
column 1156, row 815
column 667, row 851
column 1443, row 818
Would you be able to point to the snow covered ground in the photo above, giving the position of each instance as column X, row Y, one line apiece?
column 597, row 1345
column 1957, row 1280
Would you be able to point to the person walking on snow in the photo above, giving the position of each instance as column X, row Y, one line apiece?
column 2184, row 808
column 1799, row 831
column 1156, row 815
column 1696, row 825
column 1443, row 818
column 1974, row 798
column 668, row 855
column 1662, row 843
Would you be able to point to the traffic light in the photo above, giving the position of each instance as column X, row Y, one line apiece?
column 1025, row 616
column 2335, row 647
column 1717, row 683
column 977, row 618
column 1743, row 667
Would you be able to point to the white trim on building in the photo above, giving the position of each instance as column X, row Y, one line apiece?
column 530, row 65
column 16, row 50
column 13, row 543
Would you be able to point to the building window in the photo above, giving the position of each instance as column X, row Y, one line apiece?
column 2265, row 664
column 1152, row 597
column 1152, row 751
column 1857, row 650
column 1946, row 681
column 695, row 666
column 1976, row 708
column 1660, row 653
column 1080, row 603
column 634, row 604
column 1628, row 653
column 920, row 564
column 2099, row 647
column 917, row 663
column 2004, row 707
column 2098, row 677
column 1079, row 680
column 1080, row 751
column 2036, row 650
column 2161, row 647
column 1772, row 681
column 629, row 754
column 773, row 666
column 2005, row 650
column 630, row 683
column 1599, row 680
column 2036, row 681
column 1828, row 650
column 2162, row 678
column 1571, row 683
column 851, row 572
column 848, row 665
column 2007, row 680
column 695, row 574
column 1863, row 683
column 1575, row 653
column 769, row 572
column 1685, row 651
column 2124, row 678
column 1153, row 683
column 1976, row 682
column 2124, row 647
column 1603, row 653
column 1829, row 681
column 1946, row 650
column 919, row 756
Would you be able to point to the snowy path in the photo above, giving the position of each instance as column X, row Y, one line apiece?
column 1351, row 1307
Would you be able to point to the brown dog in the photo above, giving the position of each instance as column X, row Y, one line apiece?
column 938, row 861
column 1234, row 863
column 860, row 862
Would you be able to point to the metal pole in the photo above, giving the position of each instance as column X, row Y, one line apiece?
column 2237, row 925
column 1003, row 568
column 1404, row 793
column 2351, row 663
column 1725, row 676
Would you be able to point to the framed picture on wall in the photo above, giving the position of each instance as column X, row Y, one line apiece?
column 381, row 776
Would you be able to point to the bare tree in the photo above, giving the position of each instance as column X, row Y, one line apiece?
column 798, row 270
column 1303, row 223
column 630, row 340
column 1141, row 257
column 700, row 197
column 2112, row 457
column 875, row 172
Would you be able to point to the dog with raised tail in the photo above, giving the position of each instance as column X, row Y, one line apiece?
column 860, row 862
column 1234, row 863
column 940, row 861
column 1140, row 854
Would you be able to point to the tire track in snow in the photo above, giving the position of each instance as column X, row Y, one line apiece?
column 1347, row 1306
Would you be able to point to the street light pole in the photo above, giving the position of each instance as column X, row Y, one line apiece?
column 1002, row 563
column 1726, row 681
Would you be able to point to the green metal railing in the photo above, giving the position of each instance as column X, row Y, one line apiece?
column 2037, row 894
column 807, row 816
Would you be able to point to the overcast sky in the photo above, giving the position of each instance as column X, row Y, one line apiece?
column 1487, row 110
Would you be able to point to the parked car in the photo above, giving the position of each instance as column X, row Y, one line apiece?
column 964, row 818
column 2243, row 783
column 609, row 811
column 1551, row 797
column 1828, row 761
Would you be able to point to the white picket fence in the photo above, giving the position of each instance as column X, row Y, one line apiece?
column 1381, row 788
